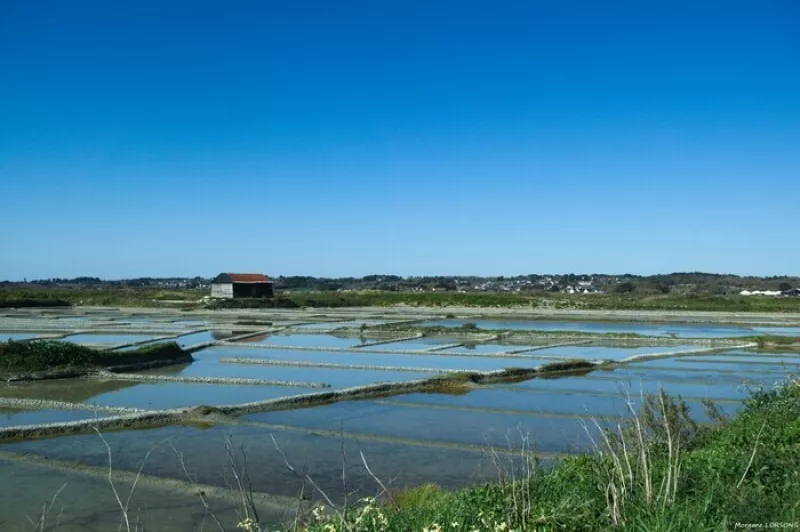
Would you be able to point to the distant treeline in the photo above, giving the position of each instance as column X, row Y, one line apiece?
column 192, row 299
column 681, row 283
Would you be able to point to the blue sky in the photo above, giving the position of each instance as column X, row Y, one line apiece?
column 144, row 138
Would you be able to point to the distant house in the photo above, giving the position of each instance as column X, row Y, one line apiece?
column 794, row 292
column 230, row 285
column 760, row 293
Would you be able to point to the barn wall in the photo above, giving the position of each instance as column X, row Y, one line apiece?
column 252, row 290
column 222, row 290
column 264, row 290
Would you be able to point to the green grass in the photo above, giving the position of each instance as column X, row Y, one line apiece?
column 672, row 474
column 42, row 355
column 774, row 341
column 109, row 297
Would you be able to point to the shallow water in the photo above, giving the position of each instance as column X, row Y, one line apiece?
column 592, row 352
column 622, row 384
column 305, row 340
column 531, row 402
column 204, row 453
column 16, row 336
column 552, row 434
column 108, row 339
column 165, row 395
column 681, row 330
column 789, row 357
column 778, row 331
column 68, row 390
column 349, row 324
column 185, row 340
column 700, row 376
column 11, row 416
column 148, row 395
column 190, row 339
column 336, row 378
column 86, row 503
column 323, row 326
column 362, row 358
column 190, row 322
column 481, row 349
column 741, row 364
column 418, row 344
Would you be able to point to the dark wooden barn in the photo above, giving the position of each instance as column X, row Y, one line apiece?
column 229, row 285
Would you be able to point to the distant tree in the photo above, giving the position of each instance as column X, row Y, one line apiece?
column 625, row 288
column 662, row 288
column 783, row 287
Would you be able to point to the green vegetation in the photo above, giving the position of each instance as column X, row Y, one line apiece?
column 663, row 472
column 42, row 355
column 29, row 302
column 437, row 330
column 102, row 297
column 378, row 298
column 625, row 288
column 633, row 300
column 625, row 301
column 766, row 340
column 777, row 343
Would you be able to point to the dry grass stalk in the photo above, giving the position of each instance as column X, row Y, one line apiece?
column 752, row 456
column 629, row 447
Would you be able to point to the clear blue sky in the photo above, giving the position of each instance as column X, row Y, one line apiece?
column 155, row 138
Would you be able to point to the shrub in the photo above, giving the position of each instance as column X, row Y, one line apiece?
column 41, row 355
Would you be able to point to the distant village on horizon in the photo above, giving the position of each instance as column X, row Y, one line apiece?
column 674, row 283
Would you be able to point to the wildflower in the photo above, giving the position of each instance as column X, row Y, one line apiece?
column 329, row 528
column 249, row 525
column 317, row 512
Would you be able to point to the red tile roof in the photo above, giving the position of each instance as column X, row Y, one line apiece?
column 249, row 278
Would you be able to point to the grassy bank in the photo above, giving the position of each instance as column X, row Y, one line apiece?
column 511, row 300
column 662, row 473
column 43, row 356
column 114, row 297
